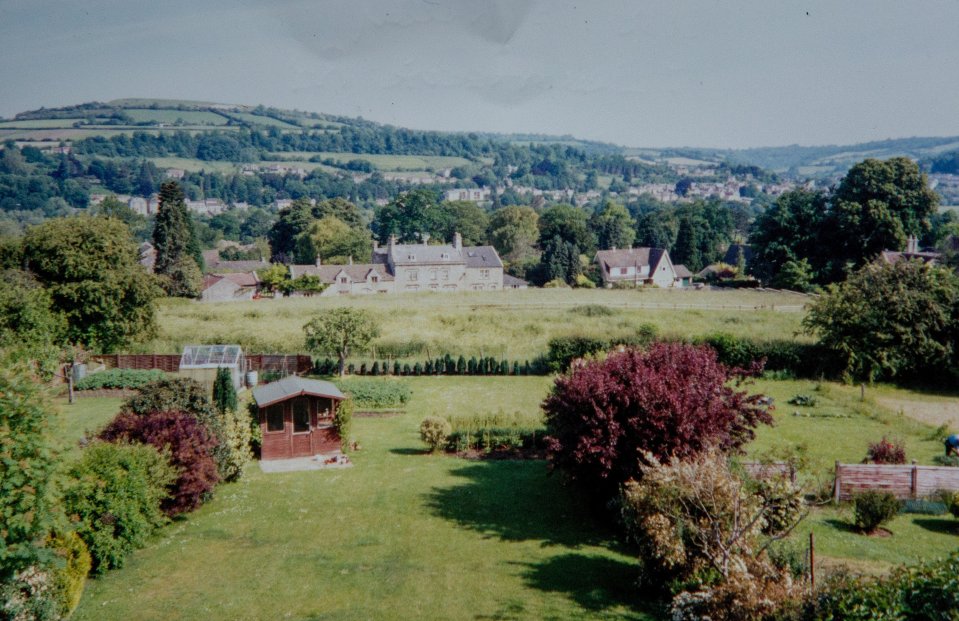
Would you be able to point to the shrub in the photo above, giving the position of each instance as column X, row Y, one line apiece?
column 803, row 400
column 673, row 400
column 486, row 432
column 71, row 577
column 886, row 452
column 224, row 393
column 238, row 437
column 30, row 595
column 113, row 499
column 343, row 421
column 377, row 393
column 873, row 509
column 190, row 448
column 926, row 591
column 564, row 349
column 951, row 500
column 26, row 470
column 434, row 431
column 181, row 394
column 119, row 378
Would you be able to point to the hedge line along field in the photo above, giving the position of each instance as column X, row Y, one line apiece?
column 514, row 325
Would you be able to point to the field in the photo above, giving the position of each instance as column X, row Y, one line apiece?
column 505, row 324
column 191, row 117
column 399, row 162
column 256, row 119
column 406, row 535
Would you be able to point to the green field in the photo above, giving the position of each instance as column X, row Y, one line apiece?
column 256, row 119
column 39, row 124
column 504, row 324
column 406, row 535
column 399, row 162
column 189, row 117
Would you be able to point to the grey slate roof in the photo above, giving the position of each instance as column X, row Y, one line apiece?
column 422, row 254
column 513, row 281
column 293, row 386
column 629, row 257
column 481, row 256
column 682, row 271
column 328, row 273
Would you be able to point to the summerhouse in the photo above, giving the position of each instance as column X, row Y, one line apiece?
column 200, row 362
column 296, row 417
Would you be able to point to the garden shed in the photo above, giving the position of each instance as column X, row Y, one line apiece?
column 296, row 417
column 200, row 362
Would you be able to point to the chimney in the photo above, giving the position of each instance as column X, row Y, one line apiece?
column 613, row 248
column 391, row 243
column 319, row 261
column 912, row 244
column 457, row 241
column 351, row 259
column 376, row 245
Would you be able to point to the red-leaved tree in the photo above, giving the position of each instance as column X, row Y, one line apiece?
column 189, row 445
column 672, row 400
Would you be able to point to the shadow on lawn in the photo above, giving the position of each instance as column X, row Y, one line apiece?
column 594, row 582
column 944, row 526
column 516, row 500
column 843, row 526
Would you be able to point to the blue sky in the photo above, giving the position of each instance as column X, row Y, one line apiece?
column 684, row 73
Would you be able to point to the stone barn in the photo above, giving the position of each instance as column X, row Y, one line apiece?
column 296, row 417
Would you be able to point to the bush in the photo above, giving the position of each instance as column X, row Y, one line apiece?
column 951, row 500
column 113, row 499
column 181, row 394
column 71, row 578
column 434, row 432
column 803, row 400
column 189, row 446
column 30, row 595
column 873, row 509
column 119, row 378
column 224, row 392
column 926, row 591
column 502, row 430
column 592, row 310
column 26, row 470
column 343, row 421
column 886, row 452
column 605, row 418
column 383, row 393
column 564, row 349
column 238, row 438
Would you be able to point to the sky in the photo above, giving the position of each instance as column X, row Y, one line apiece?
column 702, row 73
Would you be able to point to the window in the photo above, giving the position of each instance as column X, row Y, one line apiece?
column 433, row 274
column 414, row 275
column 374, row 279
column 484, row 273
column 446, row 274
column 301, row 415
column 274, row 418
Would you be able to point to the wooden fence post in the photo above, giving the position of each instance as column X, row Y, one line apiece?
column 914, row 483
column 812, row 563
column 836, row 486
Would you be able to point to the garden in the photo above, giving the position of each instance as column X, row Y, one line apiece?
column 406, row 532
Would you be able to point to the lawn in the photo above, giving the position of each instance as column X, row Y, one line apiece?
column 402, row 535
column 504, row 324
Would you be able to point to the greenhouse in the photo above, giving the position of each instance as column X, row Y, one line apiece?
column 200, row 362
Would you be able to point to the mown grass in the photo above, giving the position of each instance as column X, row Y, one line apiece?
column 402, row 535
column 515, row 325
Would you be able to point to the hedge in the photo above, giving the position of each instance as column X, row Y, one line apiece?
column 119, row 378
column 446, row 365
column 376, row 394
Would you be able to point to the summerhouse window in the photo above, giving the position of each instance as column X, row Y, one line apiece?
column 301, row 416
column 274, row 418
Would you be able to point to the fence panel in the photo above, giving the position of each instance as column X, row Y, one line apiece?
column 903, row 481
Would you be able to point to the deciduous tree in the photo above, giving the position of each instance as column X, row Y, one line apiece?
column 339, row 331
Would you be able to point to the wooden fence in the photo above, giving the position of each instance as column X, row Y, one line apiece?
column 286, row 364
column 906, row 481
column 766, row 470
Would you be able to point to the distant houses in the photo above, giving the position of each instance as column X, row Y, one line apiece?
column 641, row 266
column 401, row 268
column 233, row 287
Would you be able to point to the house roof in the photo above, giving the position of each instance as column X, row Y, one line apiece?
column 481, row 256
column 892, row 257
column 682, row 271
column 328, row 273
column 513, row 281
column 240, row 279
column 293, row 386
column 629, row 257
column 423, row 254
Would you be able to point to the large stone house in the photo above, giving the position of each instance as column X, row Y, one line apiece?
column 640, row 266
column 401, row 268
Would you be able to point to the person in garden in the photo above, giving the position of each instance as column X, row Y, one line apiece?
column 952, row 445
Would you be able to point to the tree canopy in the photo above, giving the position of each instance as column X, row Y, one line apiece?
column 339, row 331
column 891, row 321
column 89, row 267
